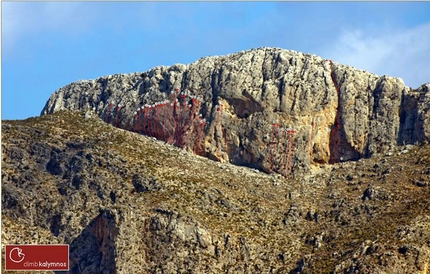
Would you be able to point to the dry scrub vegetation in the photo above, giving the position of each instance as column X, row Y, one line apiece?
column 369, row 216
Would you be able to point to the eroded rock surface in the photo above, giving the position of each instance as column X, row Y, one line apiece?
column 369, row 114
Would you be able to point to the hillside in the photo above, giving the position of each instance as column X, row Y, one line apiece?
column 127, row 203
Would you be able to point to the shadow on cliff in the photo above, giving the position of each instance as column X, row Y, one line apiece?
column 93, row 251
column 340, row 149
column 411, row 128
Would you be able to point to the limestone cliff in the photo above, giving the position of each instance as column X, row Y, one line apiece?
column 339, row 113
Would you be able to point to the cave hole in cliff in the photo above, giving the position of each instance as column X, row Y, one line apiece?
column 340, row 149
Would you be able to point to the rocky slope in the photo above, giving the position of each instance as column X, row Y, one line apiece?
column 127, row 203
column 339, row 113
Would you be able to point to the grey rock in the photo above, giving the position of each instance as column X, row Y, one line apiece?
column 142, row 183
column 259, row 86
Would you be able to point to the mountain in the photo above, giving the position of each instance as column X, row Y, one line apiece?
column 127, row 203
column 262, row 161
column 247, row 99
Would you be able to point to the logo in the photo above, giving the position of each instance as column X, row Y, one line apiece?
column 16, row 255
column 37, row 257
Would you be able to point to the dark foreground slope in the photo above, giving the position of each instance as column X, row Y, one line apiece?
column 130, row 204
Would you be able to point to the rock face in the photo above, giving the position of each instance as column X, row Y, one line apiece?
column 339, row 113
column 126, row 203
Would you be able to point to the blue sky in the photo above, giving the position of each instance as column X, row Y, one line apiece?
column 46, row 45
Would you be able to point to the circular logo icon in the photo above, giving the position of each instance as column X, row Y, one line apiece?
column 16, row 255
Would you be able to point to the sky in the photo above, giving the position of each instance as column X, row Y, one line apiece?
column 47, row 45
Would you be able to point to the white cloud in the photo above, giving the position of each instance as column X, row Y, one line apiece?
column 21, row 19
column 401, row 53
